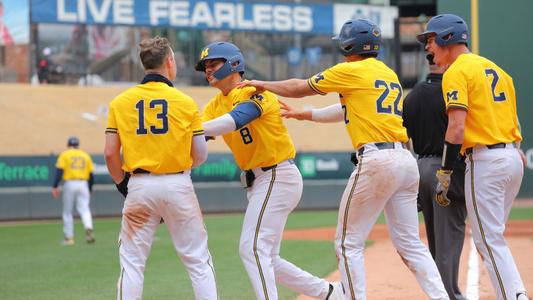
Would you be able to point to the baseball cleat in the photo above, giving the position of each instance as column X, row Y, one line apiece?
column 522, row 296
column 336, row 291
column 68, row 242
column 89, row 236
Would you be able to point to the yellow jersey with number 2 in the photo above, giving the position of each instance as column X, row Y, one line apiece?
column 479, row 86
column 261, row 143
column 76, row 164
column 371, row 97
column 155, row 123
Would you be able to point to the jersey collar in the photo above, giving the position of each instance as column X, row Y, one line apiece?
column 156, row 78
column 433, row 77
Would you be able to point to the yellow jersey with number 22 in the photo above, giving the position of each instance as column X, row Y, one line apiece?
column 371, row 97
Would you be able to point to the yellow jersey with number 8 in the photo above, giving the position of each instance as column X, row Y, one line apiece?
column 479, row 86
column 155, row 123
column 261, row 143
column 371, row 97
column 76, row 164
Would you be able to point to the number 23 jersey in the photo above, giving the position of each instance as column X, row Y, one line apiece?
column 76, row 164
column 261, row 143
column 371, row 97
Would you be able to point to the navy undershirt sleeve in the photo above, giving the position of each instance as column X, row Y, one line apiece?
column 59, row 175
column 245, row 113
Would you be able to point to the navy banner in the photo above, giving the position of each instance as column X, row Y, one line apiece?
column 231, row 15
column 20, row 171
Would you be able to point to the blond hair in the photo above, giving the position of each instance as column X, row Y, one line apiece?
column 154, row 51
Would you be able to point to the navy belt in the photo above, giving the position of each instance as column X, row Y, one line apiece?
column 494, row 146
column 429, row 155
column 380, row 146
column 290, row 160
column 143, row 171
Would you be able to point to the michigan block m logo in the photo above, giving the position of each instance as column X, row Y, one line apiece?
column 453, row 95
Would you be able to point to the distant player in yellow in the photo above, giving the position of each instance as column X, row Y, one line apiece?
column 483, row 125
column 160, row 132
column 254, row 131
column 386, row 175
column 75, row 167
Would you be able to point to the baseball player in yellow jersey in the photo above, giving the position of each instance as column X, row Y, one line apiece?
column 75, row 167
column 160, row 132
column 483, row 125
column 254, row 131
column 386, row 176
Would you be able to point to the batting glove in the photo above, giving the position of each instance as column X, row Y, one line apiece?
column 122, row 187
column 444, row 178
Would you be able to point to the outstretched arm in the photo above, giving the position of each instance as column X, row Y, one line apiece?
column 291, row 88
column 241, row 115
column 328, row 114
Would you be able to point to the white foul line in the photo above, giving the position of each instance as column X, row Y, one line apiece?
column 472, row 279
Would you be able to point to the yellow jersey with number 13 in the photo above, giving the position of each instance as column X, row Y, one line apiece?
column 155, row 123
column 261, row 143
column 76, row 164
column 478, row 85
column 371, row 97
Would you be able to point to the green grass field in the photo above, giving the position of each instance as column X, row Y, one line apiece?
column 35, row 266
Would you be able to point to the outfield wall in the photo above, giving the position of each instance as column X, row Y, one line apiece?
column 25, row 185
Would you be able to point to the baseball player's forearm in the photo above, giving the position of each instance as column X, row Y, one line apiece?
column 328, row 114
column 292, row 88
column 219, row 126
column 198, row 150
column 112, row 157
column 455, row 133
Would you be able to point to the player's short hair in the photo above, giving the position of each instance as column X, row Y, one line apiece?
column 154, row 51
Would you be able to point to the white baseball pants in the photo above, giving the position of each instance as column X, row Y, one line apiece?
column 383, row 180
column 172, row 197
column 274, row 194
column 492, row 181
column 76, row 191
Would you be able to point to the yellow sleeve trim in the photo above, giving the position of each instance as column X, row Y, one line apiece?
column 313, row 87
column 198, row 132
column 111, row 130
column 457, row 105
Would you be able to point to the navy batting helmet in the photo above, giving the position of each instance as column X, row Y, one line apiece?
column 222, row 50
column 73, row 141
column 359, row 36
column 447, row 28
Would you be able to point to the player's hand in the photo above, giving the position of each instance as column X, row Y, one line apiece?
column 290, row 112
column 56, row 192
column 522, row 157
column 257, row 84
column 122, row 187
column 444, row 177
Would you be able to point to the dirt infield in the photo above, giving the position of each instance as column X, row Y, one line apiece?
column 388, row 278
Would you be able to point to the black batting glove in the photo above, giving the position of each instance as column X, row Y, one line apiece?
column 122, row 187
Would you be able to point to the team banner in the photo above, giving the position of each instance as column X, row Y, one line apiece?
column 26, row 171
column 21, row 171
column 231, row 15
